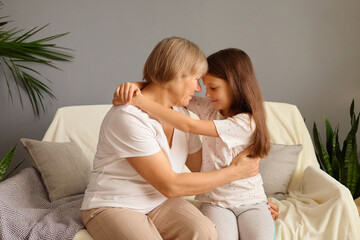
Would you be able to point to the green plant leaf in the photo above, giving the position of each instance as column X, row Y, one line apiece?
column 13, row 170
column 5, row 163
column 343, row 162
column 353, row 172
column 351, row 161
column 29, row 33
column 339, row 157
column 16, row 51
column 357, row 193
column 329, row 138
column 334, row 156
column 352, row 109
column 323, row 156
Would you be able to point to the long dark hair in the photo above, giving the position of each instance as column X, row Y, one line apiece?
column 234, row 66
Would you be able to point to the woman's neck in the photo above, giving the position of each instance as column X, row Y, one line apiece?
column 158, row 94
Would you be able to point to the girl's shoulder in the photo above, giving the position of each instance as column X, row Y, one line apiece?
column 245, row 120
column 246, row 117
column 201, row 106
column 200, row 101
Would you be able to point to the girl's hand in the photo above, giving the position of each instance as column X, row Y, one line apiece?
column 274, row 209
column 124, row 93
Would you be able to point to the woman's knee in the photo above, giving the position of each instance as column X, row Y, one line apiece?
column 179, row 219
column 117, row 223
column 201, row 228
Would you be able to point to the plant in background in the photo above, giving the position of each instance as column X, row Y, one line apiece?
column 5, row 163
column 341, row 164
column 16, row 52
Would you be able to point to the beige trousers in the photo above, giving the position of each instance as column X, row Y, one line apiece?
column 174, row 219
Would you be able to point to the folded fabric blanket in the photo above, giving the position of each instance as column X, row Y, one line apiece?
column 27, row 213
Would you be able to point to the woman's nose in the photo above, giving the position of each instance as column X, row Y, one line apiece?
column 198, row 87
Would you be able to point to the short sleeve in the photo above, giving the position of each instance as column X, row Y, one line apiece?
column 201, row 106
column 194, row 143
column 131, row 135
column 234, row 131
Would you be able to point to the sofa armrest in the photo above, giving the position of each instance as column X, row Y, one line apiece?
column 322, row 209
column 83, row 234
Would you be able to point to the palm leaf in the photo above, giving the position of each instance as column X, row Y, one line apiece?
column 6, row 78
column 16, row 51
column 13, row 72
column 29, row 33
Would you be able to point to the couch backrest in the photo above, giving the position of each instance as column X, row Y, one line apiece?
column 287, row 126
column 81, row 124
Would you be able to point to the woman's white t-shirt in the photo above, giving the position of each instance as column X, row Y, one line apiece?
column 126, row 131
column 218, row 152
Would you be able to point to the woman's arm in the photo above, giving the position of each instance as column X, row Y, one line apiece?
column 194, row 161
column 157, row 171
column 178, row 120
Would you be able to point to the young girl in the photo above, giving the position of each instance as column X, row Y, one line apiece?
column 232, row 117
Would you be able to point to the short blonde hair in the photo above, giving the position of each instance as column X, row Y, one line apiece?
column 173, row 59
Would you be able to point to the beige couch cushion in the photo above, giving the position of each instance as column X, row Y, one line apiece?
column 62, row 166
column 278, row 167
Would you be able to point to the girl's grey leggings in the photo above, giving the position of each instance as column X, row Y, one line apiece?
column 248, row 222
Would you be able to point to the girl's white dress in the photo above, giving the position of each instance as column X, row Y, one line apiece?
column 235, row 135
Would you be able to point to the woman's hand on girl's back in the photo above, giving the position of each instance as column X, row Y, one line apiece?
column 124, row 93
column 246, row 165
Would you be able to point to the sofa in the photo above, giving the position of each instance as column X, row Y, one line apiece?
column 312, row 204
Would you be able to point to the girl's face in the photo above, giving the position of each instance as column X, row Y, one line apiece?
column 218, row 90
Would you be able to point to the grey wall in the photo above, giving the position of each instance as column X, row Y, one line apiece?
column 305, row 52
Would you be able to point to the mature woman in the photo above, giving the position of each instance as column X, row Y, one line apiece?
column 137, row 178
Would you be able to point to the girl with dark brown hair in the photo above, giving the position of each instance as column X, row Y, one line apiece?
column 232, row 117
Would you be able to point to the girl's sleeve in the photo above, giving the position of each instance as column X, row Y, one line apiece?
column 200, row 106
column 235, row 131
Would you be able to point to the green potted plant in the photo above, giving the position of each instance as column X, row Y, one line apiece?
column 341, row 164
column 5, row 163
column 16, row 52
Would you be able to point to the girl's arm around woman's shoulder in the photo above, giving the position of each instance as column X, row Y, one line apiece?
column 178, row 120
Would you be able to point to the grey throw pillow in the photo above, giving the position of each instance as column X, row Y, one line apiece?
column 277, row 168
column 62, row 166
